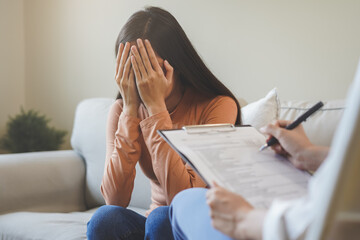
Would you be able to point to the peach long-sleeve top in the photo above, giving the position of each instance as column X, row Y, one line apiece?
column 131, row 140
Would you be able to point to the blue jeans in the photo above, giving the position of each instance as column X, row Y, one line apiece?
column 114, row 222
column 190, row 216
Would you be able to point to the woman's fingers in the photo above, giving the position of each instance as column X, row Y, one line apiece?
column 123, row 59
column 135, row 68
column 152, row 56
column 118, row 57
column 131, row 74
column 169, row 70
column 139, row 63
column 144, row 55
column 132, row 78
column 127, row 69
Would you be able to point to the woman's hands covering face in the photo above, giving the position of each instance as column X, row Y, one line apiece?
column 152, row 84
column 124, row 76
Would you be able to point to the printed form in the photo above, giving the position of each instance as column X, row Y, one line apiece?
column 232, row 159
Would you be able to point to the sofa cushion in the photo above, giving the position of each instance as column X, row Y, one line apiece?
column 320, row 127
column 89, row 140
column 30, row 225
column 57, row 226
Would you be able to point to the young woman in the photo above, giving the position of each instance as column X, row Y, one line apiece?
column 163, row 84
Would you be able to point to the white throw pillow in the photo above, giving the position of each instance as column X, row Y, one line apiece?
column 261, row 112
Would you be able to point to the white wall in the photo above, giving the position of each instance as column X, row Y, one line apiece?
column 308, row 49
column 12, row 84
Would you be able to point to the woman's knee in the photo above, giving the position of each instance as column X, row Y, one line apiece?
column 158, row 224
column 101, row 224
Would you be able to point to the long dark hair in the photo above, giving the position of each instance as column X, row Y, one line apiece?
column 170, row 42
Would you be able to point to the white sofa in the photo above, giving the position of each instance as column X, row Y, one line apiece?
column 52, row 195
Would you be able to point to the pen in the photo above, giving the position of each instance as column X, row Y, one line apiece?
column 294, row 124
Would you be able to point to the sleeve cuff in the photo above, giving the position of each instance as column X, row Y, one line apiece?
column 161, row 117
column 128, row 127
column 274, row 224
column 130, row 119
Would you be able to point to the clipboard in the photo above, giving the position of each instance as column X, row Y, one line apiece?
column 196, row 129
column 229, row 155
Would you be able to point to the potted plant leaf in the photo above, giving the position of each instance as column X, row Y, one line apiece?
column 29, row 131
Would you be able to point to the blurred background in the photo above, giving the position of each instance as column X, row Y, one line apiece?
column 54, row 53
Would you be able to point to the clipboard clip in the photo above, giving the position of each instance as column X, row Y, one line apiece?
column 209, row 128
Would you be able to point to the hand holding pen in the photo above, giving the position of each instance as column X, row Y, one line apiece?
column 294, row 144
column 294, row 124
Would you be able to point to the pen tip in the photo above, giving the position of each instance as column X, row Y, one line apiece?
column 263, row 147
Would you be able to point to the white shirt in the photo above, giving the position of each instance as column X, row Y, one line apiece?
column 292, row 219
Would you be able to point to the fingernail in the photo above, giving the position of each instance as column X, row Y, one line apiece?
column 138, row 41
column 262, row 129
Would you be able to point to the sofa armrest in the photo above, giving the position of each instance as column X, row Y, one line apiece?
column 42, row 181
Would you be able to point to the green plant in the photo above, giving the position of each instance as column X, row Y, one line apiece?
column 29, row 132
